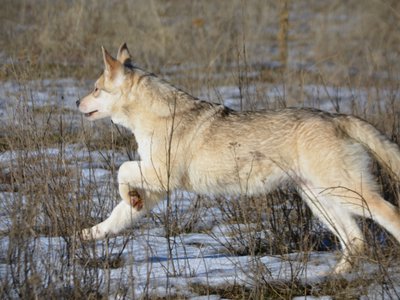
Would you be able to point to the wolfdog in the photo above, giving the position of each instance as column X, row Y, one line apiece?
column 189, row 144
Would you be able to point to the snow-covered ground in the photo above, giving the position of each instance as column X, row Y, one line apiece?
column 144, row 265
column 146, row 261
column 198, row 258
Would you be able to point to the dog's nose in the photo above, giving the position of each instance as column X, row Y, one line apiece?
column 78, row 102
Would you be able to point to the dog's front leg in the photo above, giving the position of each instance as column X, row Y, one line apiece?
column 139, row 189
column 122, row 216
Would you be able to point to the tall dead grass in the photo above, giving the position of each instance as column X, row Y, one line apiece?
column 348, row 45
column 62, row 37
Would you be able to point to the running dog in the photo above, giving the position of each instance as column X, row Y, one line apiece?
column 189, row 144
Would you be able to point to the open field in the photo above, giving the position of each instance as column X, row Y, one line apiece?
column 58, row 171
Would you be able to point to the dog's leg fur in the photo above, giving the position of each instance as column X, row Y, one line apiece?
column 122, row 216
column 381, row 211
column 136, row 187
column 133, row 175
column 340, row 222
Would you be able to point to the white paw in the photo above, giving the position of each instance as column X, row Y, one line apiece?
column 93, row 233
column 342, row 267
column 86, row 234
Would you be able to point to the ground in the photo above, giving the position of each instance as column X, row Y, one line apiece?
column 58, row 172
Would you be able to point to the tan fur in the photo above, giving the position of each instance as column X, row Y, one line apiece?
column 185, row 143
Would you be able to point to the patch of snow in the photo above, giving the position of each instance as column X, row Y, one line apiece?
column 199, row 257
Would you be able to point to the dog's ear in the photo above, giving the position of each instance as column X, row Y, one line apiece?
column 111, row 65
column 124, row 57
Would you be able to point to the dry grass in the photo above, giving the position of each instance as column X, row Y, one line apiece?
column 200, row 46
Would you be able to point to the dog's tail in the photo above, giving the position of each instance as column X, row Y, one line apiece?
column 385, row 151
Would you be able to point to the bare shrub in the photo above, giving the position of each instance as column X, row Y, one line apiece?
column 49, row 186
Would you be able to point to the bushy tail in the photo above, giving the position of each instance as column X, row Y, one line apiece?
column 385, row 151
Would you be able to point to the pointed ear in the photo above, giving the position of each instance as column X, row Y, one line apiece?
column 110, row 63
column 124, row 57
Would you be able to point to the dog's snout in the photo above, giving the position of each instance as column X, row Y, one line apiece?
column 78, row 102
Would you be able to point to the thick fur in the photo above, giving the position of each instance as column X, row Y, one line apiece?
column 185, row 143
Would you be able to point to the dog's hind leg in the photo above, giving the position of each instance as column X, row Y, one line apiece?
column 340, row 222
column 379, row 210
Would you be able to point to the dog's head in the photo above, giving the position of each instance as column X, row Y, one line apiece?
column 109, row 88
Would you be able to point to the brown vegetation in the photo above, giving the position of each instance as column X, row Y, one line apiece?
column 332, row 46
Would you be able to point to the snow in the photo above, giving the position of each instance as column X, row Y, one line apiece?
column 313, row 298
column 146, row 256
column 147, row 265
column 197, row 260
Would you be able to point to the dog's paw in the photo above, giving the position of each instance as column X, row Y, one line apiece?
column 135, row 200
column 93, row 233
column 86, row 234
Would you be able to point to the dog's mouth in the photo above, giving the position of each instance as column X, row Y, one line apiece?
column 89, row 114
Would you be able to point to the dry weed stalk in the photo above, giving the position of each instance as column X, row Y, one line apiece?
column 44, row 196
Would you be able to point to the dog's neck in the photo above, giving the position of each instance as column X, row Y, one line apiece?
column 152, row 108
column 150, row 97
